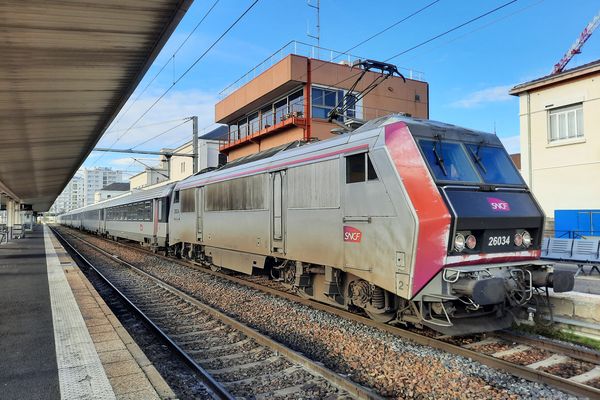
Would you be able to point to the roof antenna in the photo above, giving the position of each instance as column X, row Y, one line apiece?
column 317, row 36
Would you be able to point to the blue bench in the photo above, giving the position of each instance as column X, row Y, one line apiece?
column 583, row 252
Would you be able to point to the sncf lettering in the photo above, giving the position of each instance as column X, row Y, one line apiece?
column 498, row 204
column 352, row 234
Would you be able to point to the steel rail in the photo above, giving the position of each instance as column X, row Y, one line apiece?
column 215, row 387
column 574, row 352
column 354, row 389
column 496, row 363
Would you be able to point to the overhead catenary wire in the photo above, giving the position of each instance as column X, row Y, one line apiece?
column 451, row 30
column 433, row 38
column 495, row 21
column 198, row 59
column 379, row 33
column 163, row 133
column 171, row 59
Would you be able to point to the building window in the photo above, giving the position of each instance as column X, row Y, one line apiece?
column 324, row 100
column 296, row 103
column 233, row 133
column 359, row 168
column 266, row 117
column 182, row 167
column 253, row 124
column 280, row 110
column 565, row 123
column 243, row 128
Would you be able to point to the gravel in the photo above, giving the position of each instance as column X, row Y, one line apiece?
column 394, row 367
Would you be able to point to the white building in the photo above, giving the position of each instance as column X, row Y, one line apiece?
column 180, row 167
column 208, row 156
column 560, row 145
column 72, row 197
column 150, row 176
column 113, row 190
column 95, row 179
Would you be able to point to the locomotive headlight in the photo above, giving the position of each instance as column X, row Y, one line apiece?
column 471, row 242
column 459, row 242
column 526, row 238
column 518, row 240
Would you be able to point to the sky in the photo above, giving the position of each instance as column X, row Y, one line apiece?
column 469, row 71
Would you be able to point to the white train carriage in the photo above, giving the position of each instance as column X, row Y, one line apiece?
column 140, row 215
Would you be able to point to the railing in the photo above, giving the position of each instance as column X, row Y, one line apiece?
column 575, row 234
column 272, row 120
column 306, row 50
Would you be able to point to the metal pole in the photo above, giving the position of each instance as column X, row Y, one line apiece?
column 195, row 143
column 168, row 167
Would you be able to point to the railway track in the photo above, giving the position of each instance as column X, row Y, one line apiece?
column 234, row 360
column 567, row 368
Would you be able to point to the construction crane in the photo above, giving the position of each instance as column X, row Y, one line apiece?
column 576, row 47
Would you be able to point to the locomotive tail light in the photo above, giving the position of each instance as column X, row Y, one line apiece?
column 526, row 238
column 518, row 240
column 471, row 242
column 459, row 242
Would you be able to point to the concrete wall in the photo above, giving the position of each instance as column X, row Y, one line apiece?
column 562, row 173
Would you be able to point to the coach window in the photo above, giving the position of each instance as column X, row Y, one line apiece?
column 359, row 168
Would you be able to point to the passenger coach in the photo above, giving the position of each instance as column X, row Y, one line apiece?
column 140, row 215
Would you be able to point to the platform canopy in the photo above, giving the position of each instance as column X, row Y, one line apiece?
column 66, row 69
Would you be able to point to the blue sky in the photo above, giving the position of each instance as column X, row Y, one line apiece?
column 469, row 71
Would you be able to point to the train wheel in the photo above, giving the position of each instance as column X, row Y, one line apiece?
column 374, row 301
column 381, row 317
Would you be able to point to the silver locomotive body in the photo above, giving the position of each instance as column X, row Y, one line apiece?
column 413, row 221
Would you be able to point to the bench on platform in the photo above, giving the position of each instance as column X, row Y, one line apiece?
column 583, row 252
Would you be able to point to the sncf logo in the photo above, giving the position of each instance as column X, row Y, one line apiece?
column 352, row 234
column 498, row 204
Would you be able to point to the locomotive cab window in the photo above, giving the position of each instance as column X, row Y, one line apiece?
column 359, row 168
column 176, row 197
column 448, row 161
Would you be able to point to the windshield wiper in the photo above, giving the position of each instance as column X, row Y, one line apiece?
column 438, row 157
column 476, row 157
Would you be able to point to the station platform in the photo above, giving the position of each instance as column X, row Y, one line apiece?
column 58, row 339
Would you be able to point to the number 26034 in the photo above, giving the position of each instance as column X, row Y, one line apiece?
column 498, row 240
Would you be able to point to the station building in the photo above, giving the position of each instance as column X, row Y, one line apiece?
column 288, row 97
column 560, row 141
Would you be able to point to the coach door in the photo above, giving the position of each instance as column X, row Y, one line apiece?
column 277, row 217
column 199, row 210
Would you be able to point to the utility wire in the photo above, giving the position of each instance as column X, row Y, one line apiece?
column 451, row 30
column 175, row 82
column 162, row 133
column 153, row 124
column 171, row 59
column 381, row 32
column 434, row 38
column 495, row 21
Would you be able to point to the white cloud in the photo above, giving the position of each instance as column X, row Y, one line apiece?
column 171, row 110
column 122, row 161
column 512, row 144
column 489, row 95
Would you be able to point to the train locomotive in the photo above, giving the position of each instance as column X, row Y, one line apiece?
column 411, row 221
